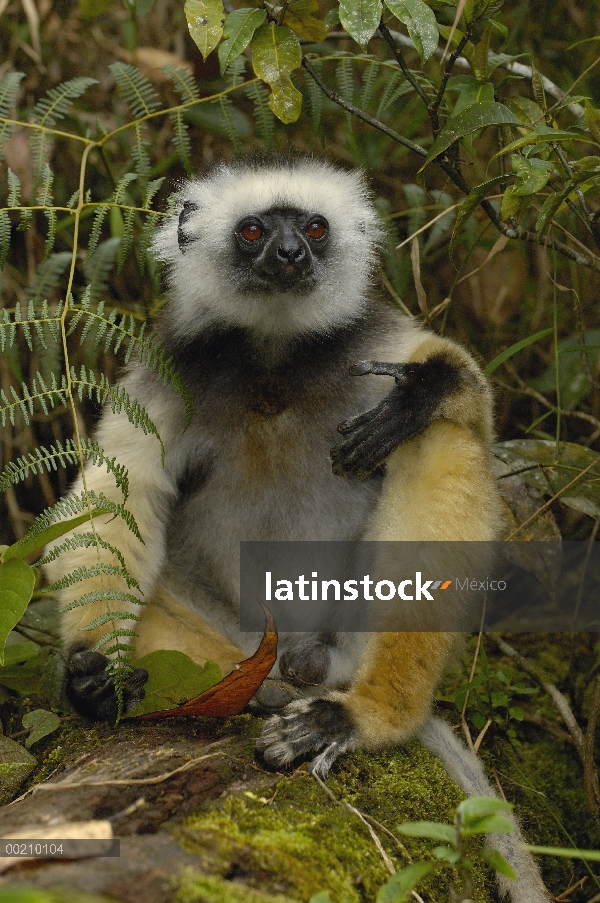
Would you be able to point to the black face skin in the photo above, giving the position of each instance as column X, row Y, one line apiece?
column 279, row 250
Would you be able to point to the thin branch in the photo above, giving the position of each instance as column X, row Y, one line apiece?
column 356, row 111
column 590, row 774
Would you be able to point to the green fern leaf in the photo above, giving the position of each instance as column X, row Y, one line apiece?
column 98, row 266
column 126, row 239
column 58, row 101
column 137, row 90
column 9, row 88
column 181, row 139
column 80, row 541
column 372, row 70
column 5, row 229
column 94, row 570
column 14, row 189
column 183, row 83
column 98, row 595
column 48, row 276
column 225, row 106
column 264, row 118
column 139, row 154
column 99, row 218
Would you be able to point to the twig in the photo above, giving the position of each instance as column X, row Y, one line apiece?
column 351, row 108
column 590, row 774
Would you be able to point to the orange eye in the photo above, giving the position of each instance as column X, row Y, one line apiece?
column 251, row 232
column 316, row 230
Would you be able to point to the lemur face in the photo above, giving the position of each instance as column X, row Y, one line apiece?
column 280, row 250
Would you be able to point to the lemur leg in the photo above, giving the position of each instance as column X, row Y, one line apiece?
column 437, row 487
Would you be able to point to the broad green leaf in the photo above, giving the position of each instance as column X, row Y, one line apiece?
column 333, row 17
column 572, row 459
column 470, row 204
column 432, row 829
column 525, row 109
column 511, row 205
column 41, row 723
column 20, row 652
column 574, row 384
column 592, row 855
column 275, row 53
column 592, row 119
column 517, row 713
column 28, row 545
column 497, row 824
column 173, row 679
column 238, row 31
column 205, row 22
column 475, row 92
column 472, row 119
column 420, row 22
column 532, row 174
column 92, row 8
column 508, row 352
column 15, row 764
column 17, row 581
column 498, row 862
column 398, row 888
column 479, row 806
column 360, row 18
column 446, row 854
column 300, row 17
column 542, row 135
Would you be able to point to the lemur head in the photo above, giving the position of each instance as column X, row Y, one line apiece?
column 279, row 248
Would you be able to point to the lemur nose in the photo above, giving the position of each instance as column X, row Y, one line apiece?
column 291, row 255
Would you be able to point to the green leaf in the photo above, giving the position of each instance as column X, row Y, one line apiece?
column 556, row 200
column 511, row 205
column 360, row 18
column 592, row 119
column 205, row 22
column 238, row 31
column 300, row 17
column 446, row 854
column 397, row 889
column 473, row 92
column 15, row 764
column 508, row 352
column 470, row 204
column 27, row 545
column 498, row 862
column 41, row 723
column 573, row 382
column 420, row 22
column 472, row 119
column 517, row 713
column 173, row 679
column 275, row 53
column 17, row 581
column 498, row 824
column 532, row 174
column 432, row 829
column 584, row 495
column 592, row 855
column 479, row 806
column 543, row 134
column 17, row 653
column 332, row 18
column 92, row 8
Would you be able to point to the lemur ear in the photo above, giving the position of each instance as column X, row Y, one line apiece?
column 182, row 238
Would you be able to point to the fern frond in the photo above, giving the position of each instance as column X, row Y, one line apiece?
column 40, row 394
column 8, row 326
column 139, row 154
column 112, row 635
column 151, row 190
column 264, row 118
column 9, row 88
column 45, row 199
column 72, row 505
column 111, row 595
column 184, row 83
column 14, row 189
column 72, row 202
column 80, row 541
column 146, row 236
column 98, row 266
column 47, row 459
column 225, row 106
column 122, row 185
column 181, row 139
column 58, row 101
column 138, row 92
column 48, row 276
column 99, row 218
column 5, row 229
column 118, row 398
column 94, row 570
column 315, row 98
column 372, row 70
column 101, row 620
column 234, row 74
column 126, row 239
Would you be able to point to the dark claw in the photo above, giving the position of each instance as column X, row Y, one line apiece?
column 403, row 414
column 91, row 688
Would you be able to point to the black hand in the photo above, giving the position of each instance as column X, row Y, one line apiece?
column 91, row 688
column 403, row 414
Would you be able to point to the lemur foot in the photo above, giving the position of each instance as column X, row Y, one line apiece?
column 317, row 724
column 91, row 688
column 402, row 415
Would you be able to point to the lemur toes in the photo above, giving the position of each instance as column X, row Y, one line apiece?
column 91, row 687
column 306, row 725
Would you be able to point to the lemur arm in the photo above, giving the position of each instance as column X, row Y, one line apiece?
column 438, row 486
